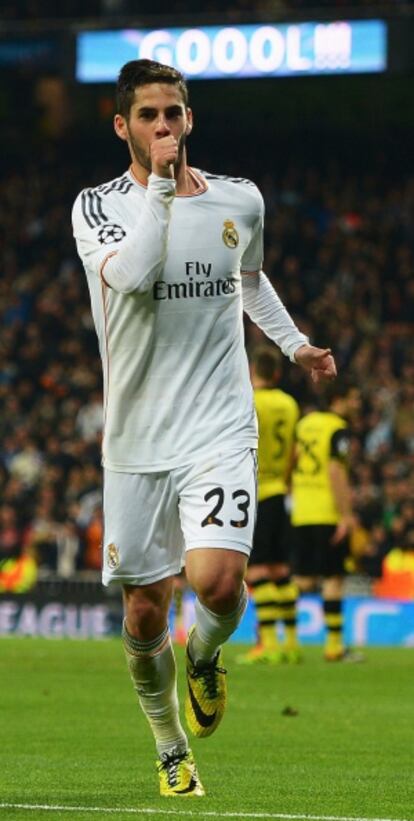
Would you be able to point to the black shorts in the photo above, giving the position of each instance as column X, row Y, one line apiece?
column 313, row 553
column 270, row 540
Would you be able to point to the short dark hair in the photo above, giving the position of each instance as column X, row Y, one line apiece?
column 140, row 73
column 266, row 361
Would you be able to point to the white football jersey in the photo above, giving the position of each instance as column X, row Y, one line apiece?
column 176, row 378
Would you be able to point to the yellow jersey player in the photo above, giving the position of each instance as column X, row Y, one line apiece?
column 321, row 508
column 272, row 590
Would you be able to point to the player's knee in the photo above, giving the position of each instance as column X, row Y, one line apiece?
column 306, row 584
column 146, row 612
column 221, row 593
column 332, row 587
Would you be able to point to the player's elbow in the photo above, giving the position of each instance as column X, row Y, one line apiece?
column 118, row 284
column 120, row 287
column 123, row 281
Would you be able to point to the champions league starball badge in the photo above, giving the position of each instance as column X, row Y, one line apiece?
column 230, row 235
column 110, row 233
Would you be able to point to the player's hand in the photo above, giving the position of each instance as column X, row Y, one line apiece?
column 318, row 362
column 342, row 529
column 164, row 153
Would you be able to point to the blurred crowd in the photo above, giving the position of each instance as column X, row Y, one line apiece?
column 339, row 250
column 36, row 10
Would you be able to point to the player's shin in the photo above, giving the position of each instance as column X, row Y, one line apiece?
column 212, row 629
column 287, row 596
column 206, row 677
column 334, row 647
column 263, row 593
column 264, row 597
column 153, row 672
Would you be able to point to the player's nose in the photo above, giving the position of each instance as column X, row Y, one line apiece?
column 162, row 128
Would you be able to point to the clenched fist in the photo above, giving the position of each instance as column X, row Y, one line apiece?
column 164, row 153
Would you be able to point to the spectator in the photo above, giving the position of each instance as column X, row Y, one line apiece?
column 10, row 533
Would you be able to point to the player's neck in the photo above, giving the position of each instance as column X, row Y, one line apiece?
column 262, row 384
column 186, row 181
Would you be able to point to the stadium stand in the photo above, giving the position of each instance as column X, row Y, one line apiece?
column 339, row 250
column 340, row 253
column 34, row 11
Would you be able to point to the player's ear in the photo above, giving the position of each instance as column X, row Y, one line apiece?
column 189, row 126
column 120, row 127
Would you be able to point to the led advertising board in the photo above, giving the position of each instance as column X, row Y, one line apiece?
column 214, row 52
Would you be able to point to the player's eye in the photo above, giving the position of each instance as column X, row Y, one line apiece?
column 174, row 113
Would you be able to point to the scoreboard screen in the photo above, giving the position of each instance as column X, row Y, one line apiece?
column 218, row 52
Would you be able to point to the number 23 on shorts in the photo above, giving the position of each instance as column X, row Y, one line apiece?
column 216, row 498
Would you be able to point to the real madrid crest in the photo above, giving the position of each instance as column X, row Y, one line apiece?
column 112, row 556
column 230, row 234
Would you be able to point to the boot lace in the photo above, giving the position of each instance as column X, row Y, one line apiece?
column 169, row 762
column 208, row 674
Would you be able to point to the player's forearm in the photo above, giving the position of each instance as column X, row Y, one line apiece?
column 340, row 489
column 266, row 310
column 137, row 263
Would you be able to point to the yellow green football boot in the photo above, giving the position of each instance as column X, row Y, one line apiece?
column 206, row 694
column 261, row 655
column 178, row 775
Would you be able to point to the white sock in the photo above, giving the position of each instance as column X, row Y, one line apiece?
column 213, row 629
column 152, row 668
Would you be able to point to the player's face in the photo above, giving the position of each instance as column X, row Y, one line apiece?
column 158, row 111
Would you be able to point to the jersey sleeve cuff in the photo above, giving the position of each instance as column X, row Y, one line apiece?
column 161, row 187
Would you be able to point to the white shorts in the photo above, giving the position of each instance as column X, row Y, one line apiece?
column 151, row 519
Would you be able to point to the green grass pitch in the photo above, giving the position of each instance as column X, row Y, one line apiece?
column 72, row 736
